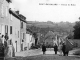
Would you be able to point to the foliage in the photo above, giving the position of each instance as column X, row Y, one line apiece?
column 77, row 30
column 44, row 27
column 70, row 36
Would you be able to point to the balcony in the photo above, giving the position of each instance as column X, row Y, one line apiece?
column 9, row 1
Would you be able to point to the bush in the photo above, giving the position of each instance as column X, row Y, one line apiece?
column 77, row 52
column 25, row 48
column 34, row 47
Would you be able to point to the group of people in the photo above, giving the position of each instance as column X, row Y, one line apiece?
column 61, row 48
column 3, row 38
column 4, row 42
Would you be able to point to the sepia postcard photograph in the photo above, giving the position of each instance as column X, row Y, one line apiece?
column 39, row 29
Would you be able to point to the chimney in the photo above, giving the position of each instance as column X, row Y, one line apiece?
column 17, row 12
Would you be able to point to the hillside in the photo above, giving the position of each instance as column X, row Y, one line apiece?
column 44, row 27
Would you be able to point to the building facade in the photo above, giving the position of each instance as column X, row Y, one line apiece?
column 19, row 30
column 23, row 32
column 14, row 24
column 4, row 17
column 29, row 41
column 15, row 30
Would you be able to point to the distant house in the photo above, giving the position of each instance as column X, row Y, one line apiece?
column 50, row 38
column 30, row 40
column 53, row 37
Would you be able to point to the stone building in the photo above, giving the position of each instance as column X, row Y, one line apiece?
column 4, row 17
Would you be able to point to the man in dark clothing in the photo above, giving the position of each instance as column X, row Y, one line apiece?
column 55, row 48
column 6, row 44
column 63, row 49
column 43, row 48
column 6, row 37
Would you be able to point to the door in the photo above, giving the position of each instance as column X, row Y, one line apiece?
column 22, row 47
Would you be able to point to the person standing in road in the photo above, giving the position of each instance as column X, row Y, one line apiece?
column 55, row 48
column 6, row 44
column 60, row 48
column 3, row 39
column 6, row 37
column 63, row 49
column 43, row 48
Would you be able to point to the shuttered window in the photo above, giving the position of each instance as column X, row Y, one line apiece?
column 21, row 24
column 23, row 35
column 18, row 34
column 6, row 29
column 10, row 29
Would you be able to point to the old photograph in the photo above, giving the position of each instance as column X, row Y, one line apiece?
column 39, row 29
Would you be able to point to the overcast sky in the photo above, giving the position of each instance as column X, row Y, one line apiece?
column 56, row 13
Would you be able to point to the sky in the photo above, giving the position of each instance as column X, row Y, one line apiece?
column 33, row 11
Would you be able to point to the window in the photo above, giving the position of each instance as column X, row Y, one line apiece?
column 6, row 29
column 10, row 29
column 15, row 31
column 18, row 34
column 10, row 41
column 23, row 35
column 21, row 24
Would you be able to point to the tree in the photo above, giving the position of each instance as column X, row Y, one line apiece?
column 77, row 30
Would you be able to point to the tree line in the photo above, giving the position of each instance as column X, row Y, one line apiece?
column 77, row 30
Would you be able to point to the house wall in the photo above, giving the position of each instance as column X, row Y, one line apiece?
column 4, row 16
column 23, row 35
column 29, row 40
column 15, row 36
column 6, row 21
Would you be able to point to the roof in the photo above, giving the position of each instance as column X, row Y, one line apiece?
column 17, row 15
column 50, row 34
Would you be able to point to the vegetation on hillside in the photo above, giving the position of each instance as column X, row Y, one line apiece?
column 45, row 27
column 77, row 30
